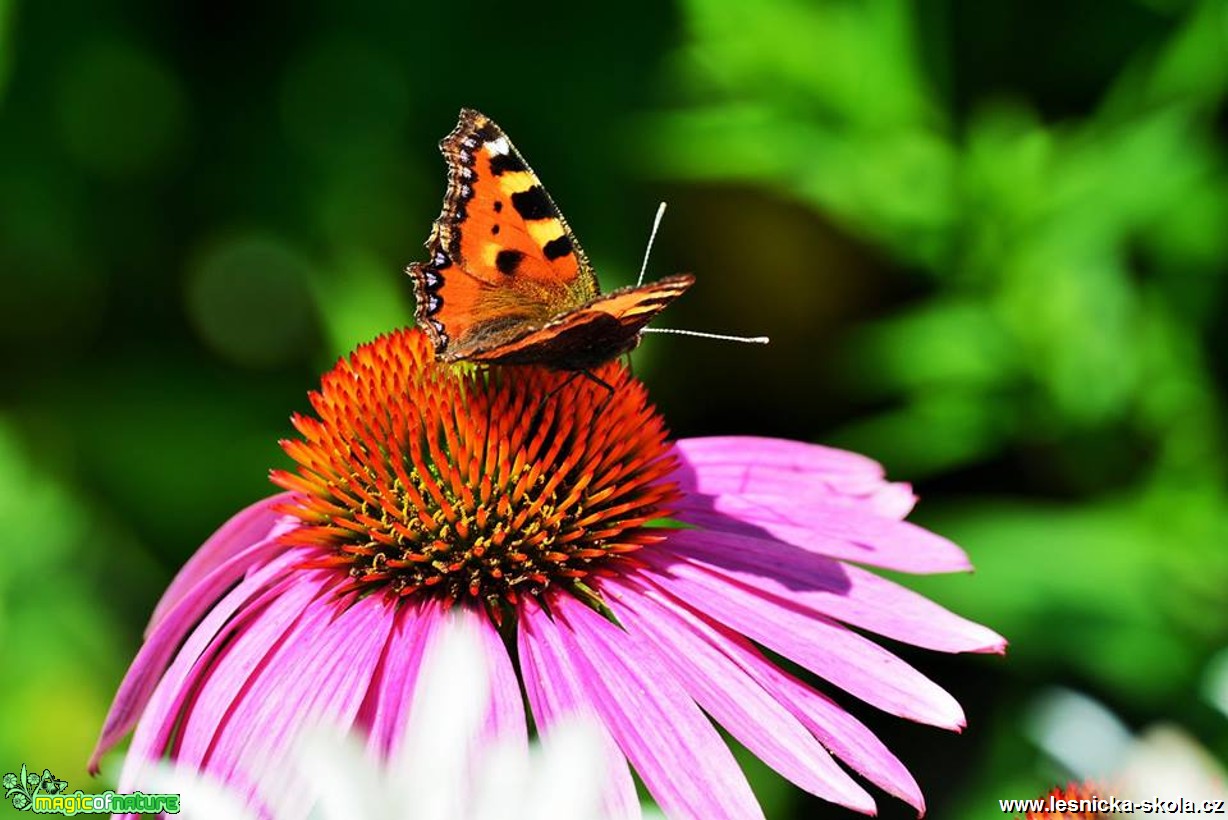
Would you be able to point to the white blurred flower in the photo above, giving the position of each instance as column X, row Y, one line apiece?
column 1166, row 762
column 1162, row 762
column 452, row 765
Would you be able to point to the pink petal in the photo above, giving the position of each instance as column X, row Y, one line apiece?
column 847, row 533
column 195, row 596
column 780, row 455
column 802, row 472
column 146, row 671
column 829, row 587
column 838, row 731
column 193, row 664
column 239, row 664
column 893, row 500
column 555, row 693
column 319, row 674
column 505, row 721
column 682, row 642
column 846, row 737
column 670, row 742
column 385, row 712
column 247, row 535
column 828, row 649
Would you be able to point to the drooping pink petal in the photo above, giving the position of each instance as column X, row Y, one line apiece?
column 395, row 676
column 239, row 543
column 318, row 675
column 848, row 533
column 679, row 755
column 194, row 663
column 146, row 672
column 750, row 713
column 836, row 729
column 855, row 664
column 239, row 663
column 555, row 694
column 832, row 588
column 505, row 720
column 440, row 755
column 168, row 631
column 847, row 738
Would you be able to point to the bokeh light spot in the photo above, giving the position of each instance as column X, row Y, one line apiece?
column 247, row 298
column 343, row 98
column 120, row 110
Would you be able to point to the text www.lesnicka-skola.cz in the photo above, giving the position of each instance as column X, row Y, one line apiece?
column 1119, row 805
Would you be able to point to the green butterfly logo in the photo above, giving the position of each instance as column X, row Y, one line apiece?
column 21, row 787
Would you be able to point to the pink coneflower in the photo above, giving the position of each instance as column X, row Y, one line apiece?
column 530, row 503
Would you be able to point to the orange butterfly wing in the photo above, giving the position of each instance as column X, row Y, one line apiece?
column 503, row 261
column 507, row 282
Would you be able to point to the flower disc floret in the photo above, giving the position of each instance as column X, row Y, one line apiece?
column 416, row 476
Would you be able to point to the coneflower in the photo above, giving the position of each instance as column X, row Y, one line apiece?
column 609, row 573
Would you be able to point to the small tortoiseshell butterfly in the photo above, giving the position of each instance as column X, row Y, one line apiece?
column 507, row 282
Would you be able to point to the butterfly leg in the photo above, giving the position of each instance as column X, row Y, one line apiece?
column 541, row 405
column 571, row 377
column 609, row 388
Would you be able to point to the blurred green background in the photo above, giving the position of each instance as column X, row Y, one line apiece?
column 989, row 241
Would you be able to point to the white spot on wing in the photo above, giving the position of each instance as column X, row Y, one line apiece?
column 498, row 146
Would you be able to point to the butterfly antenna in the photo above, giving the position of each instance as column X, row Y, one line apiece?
column 754, row 340
column 656, row 223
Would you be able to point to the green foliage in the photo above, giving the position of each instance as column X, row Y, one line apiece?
column 57, row 637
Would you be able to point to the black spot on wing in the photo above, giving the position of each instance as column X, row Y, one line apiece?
column 507, row 261
column 502, row 163
column 556, row 248
column 498, row 205
column 489, row 132
column 533, row 203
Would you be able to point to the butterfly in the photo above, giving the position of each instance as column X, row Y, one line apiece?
column 507, row 282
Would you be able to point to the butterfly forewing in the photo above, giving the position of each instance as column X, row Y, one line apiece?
column 502, row 258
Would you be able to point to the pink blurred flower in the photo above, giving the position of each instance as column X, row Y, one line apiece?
column 424, row 488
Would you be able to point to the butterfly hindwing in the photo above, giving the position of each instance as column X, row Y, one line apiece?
column 503, row 260
column 593, row 333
